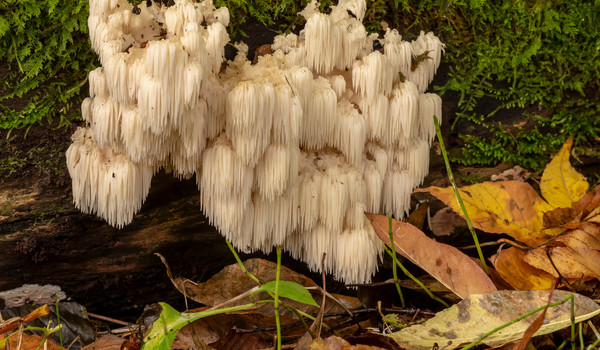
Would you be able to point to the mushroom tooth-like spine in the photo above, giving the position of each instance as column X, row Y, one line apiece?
column 309, row 185
column 403, row 114
column 349, row 132
column 287, row 116
column 215, row 39
column 334, row 198
column 372, row 76
column 315, row 242
column 319, row 122
column 117, row 72
column 397, row 187
column 192, row 78
column 323, row 42
column 418, row 165
column 272, row 172
column 152, row 103
column 379, row 155
column 373, row 183
column 399, row 52
column 250, row 109
column 338, row 84
column 106, row 121
column 429, row 105
column 355, row 216
column 301, row 79
column 98, row 85
column 376, row 117
column 86, row 109
column 357, row 252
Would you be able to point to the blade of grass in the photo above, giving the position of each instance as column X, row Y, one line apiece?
column 276, row 306
column 457, row 194
column 394, row 265
column 414, row 278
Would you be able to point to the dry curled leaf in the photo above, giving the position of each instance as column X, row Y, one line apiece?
column 478, row 314
column 561, row 184
column 450, row 266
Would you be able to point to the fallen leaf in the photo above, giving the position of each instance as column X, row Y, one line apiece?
column 373, row 339
column 509, row 207
column 572, row 262
column 517, row 174
column 243, row 341
column 445, row 221
column 561, row 184
column 29, row 342
column 510, row 266
column 465, row 322
column 535, row 325
column 417, row 217
column 232, row 281
column 571, row 217
column 107, row 342
column 450, row 266
column 337, row 343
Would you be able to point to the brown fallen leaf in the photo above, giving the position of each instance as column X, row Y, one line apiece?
column 561, row 184
column 516, row 174
column 417, row 217
column 243, row 341
column 445, row 221
column 510, row 266
column 509, row 207
column 450, row 266
column 107, row 342
column 13, row 323
column 232, row 281
column 29, row 342
column 337, row 343
column 571, row 217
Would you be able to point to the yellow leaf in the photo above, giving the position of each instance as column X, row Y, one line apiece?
column 561, row 184
column 509, row 264
column 466, row 321
column 510, row 207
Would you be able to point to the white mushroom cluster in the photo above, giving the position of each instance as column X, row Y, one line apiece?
column 289, row 151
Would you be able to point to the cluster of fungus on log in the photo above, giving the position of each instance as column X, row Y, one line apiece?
column 290, row 151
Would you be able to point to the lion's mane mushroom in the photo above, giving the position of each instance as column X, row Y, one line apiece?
column 289, row 151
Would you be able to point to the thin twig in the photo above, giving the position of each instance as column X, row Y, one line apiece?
column 108, row 319
column 564, row 280
column 500, row 241
column 322, row 311
column 241, row 296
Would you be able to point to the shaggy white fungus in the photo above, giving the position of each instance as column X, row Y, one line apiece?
column 289, row 151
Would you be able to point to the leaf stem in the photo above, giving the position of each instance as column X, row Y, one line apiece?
column 457, row 194
column 394, row 265
column 560, row 302
column 276, row 305
column 414, row 278
column 239, row 261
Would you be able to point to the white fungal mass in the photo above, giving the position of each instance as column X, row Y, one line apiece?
column 290, row 151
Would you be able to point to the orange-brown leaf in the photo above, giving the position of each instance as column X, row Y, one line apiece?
column 561, row 184
column 445, row 263
column 572, row 216
column 510, row 207
column 511, row 267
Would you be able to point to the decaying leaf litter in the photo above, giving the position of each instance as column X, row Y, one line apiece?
column 555, row 239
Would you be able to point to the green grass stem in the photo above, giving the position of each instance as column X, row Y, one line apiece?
column 457, row 193
column 394, row 265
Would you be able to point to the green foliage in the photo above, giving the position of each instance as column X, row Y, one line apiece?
column 45, row 47
column 289, row 290
column 542, row 52
column 524, row 53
